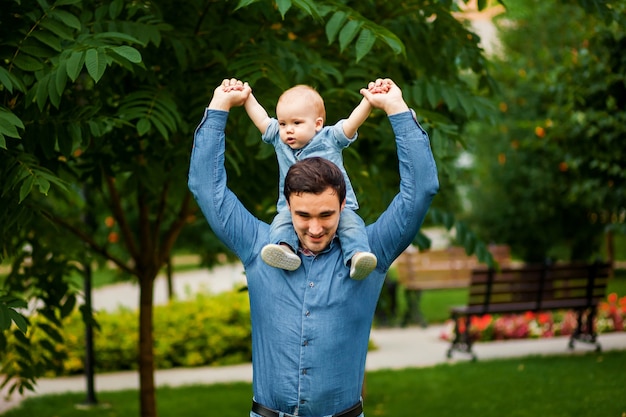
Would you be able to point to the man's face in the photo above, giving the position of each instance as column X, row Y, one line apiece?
column 315, row 218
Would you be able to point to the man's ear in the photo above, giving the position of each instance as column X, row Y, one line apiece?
column 319, row 124
column 343, row 204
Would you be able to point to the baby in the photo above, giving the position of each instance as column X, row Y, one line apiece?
column 299, row 132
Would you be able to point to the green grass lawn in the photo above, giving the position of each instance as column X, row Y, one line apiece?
column 574, row 385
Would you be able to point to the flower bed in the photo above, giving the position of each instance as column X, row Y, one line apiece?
column 610, row 318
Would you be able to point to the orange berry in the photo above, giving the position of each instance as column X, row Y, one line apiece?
column 540, row 131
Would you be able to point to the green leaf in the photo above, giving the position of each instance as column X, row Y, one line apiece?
column 74, row 64
column 422, row 241
column 66, row 2
column 9, row 123
column 117, row 36
column 310, row 7
column 469, row 243
column 75, row 133
column 115, row 9
column 449, row 97
column 53, row 93
column 128, row 52
column 348, row 33
column 461, row 232
column 95, row 61
column 48, row 39
column 364, row 43
column 5, row 79
column 244, row 3
column 42, row 92
column 27, row 63
column 283, row 6
column 44, row 185
column 5, row 320
column 26, row 188
column 66, row 17
column 19, row 320
column 432, row 94
column 394, row 43
column 52, row 332
column 466, row 103
column 58, row 29
column 68, row 306
column 418, row 94
column 60, row 78
column 143, row 126
column 160, row 127
column 334, row 25
column 43, row 4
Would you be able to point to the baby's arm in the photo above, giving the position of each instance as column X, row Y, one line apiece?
column 356, row 118
column 257, row 113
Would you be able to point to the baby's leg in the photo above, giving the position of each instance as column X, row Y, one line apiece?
column 355, row 245
column 281, row 252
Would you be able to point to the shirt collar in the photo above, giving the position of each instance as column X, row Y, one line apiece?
column 307, row 252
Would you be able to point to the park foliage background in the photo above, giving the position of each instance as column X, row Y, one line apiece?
column 99, row 100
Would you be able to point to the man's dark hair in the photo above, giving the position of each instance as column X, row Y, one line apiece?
column 314, row 175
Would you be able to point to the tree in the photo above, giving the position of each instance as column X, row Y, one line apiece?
column 551, row 175
column 100, row 99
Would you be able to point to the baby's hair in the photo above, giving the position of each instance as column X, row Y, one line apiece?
column 302, row 91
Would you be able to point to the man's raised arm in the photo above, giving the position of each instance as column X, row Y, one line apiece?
column 396, row 228
column 228, row 218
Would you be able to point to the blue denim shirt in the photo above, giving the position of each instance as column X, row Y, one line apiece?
column 310, row 327
column 328, row 143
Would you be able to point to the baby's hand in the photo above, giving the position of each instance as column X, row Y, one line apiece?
column 230, row 93
column 386, row 95
column 233, row 84
column 380, row 86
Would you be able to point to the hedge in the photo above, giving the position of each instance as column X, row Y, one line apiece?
column 211, row 329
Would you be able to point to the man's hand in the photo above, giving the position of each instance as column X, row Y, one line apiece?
column 386, row 95
column 231, row 93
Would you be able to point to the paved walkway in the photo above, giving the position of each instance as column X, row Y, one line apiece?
column 397, row 348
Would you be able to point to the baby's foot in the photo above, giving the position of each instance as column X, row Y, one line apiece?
column 280, row 256
column 362, row 264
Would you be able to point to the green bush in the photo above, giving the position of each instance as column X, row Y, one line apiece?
column 208, row 330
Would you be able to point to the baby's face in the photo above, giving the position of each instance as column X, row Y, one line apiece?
column 297, row 121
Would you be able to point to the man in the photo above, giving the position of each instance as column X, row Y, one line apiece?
column 310, row 327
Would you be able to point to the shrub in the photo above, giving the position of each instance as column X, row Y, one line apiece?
column 208, row 330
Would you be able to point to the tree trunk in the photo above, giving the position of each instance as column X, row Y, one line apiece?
column 146, row 348
column 170, row 277
column 610, row 250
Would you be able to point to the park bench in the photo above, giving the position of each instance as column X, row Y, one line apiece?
column 544, row 287
column 439, row 269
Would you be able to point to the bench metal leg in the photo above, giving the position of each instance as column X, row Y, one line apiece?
column 587, row 333
column 462, row 341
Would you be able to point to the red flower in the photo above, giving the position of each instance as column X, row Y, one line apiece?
column 544, row 318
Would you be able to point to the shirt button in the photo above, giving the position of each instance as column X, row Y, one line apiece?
column 311, row 285
column 307, row 313
column 306, row 343
column 304, row 372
